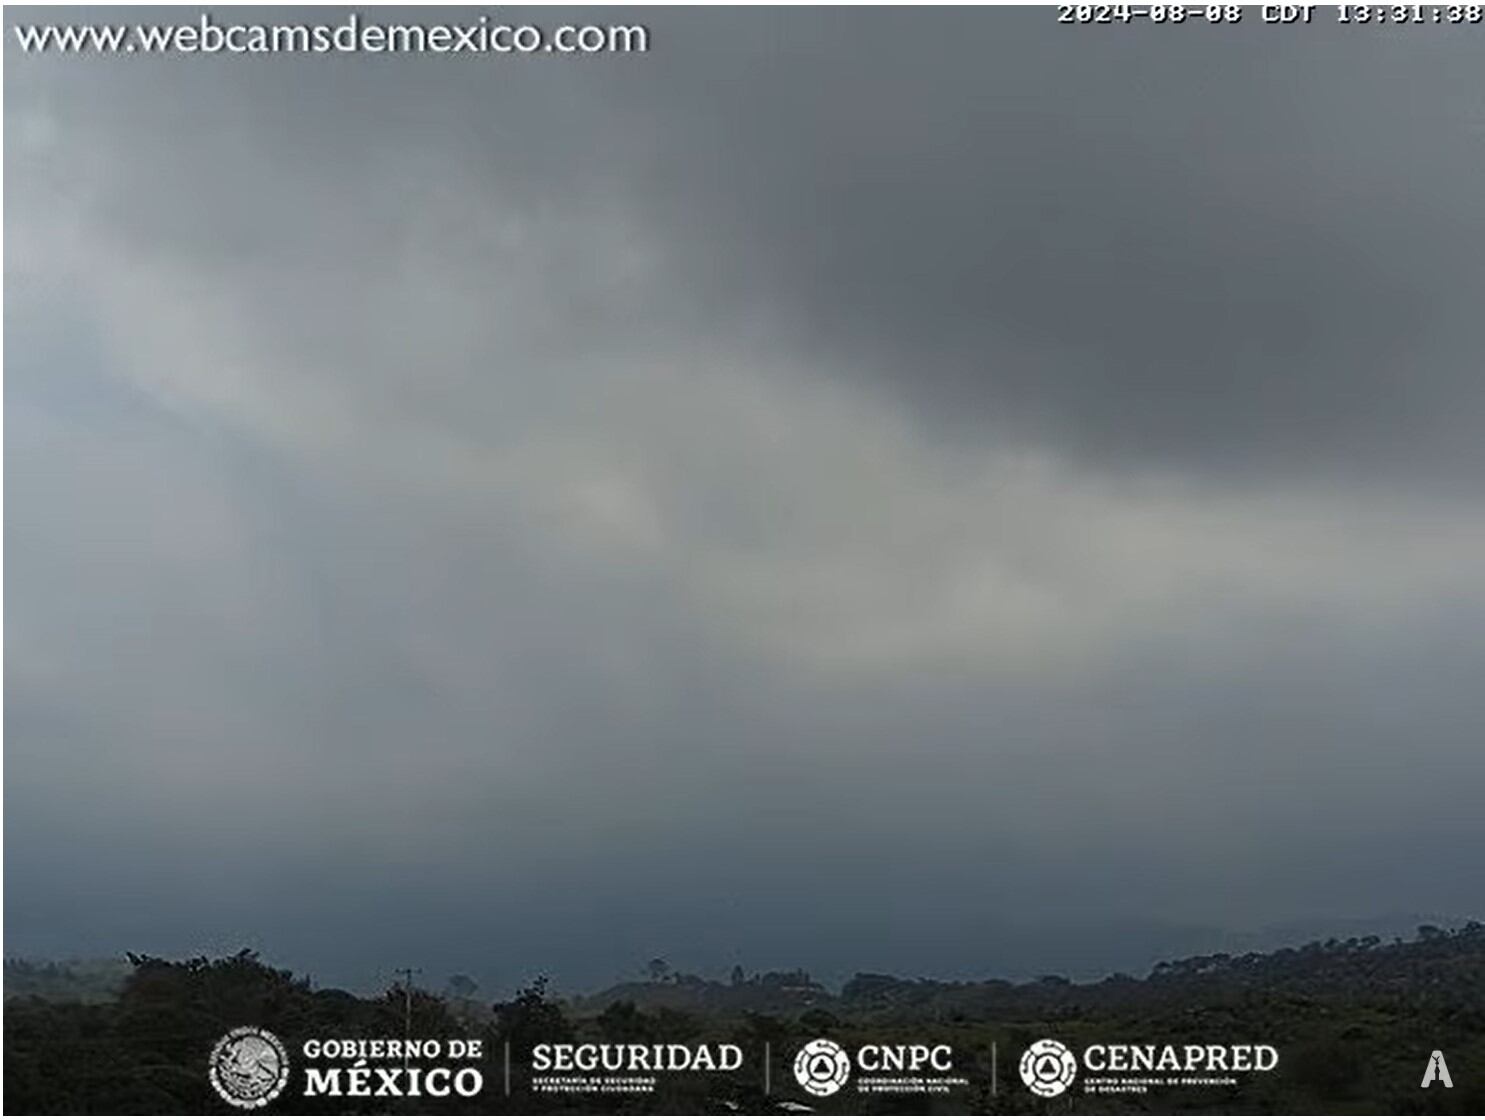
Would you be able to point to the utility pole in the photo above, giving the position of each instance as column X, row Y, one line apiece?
column 407, row 974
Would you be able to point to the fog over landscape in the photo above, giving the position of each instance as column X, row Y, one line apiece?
column 937, row 493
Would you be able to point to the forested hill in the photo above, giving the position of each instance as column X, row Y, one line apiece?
column 1355, row 1020
column 87, row 981
column 1439, row 968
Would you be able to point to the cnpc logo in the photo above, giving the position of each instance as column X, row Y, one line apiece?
column 823, row 1067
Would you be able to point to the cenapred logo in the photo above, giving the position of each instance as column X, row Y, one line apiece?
column 821, row 1067
column 1048, row 1067
column 248, row 1067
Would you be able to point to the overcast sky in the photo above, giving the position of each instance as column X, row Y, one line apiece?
column 943, row 493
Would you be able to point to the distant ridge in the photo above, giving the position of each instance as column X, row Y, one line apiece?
column 1438, row 963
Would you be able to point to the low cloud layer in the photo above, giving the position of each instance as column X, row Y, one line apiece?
column 955, row 495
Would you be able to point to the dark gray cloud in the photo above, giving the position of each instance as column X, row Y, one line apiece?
column 1248, row 250
column 853, row 490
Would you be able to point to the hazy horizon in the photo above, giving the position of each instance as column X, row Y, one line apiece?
column 867, row 490
column 1026, row 956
